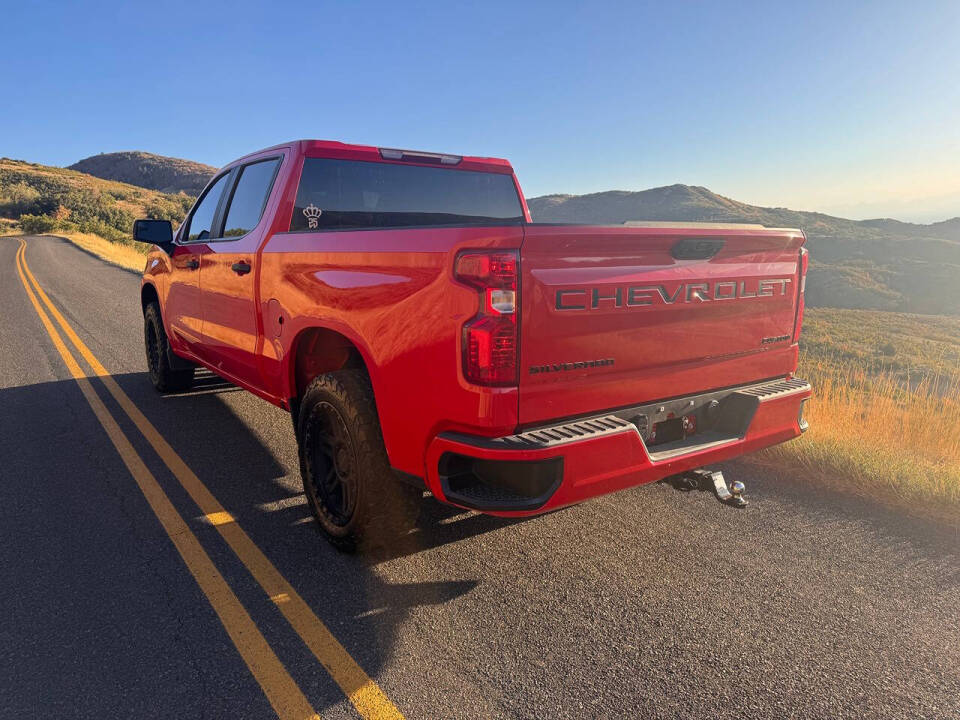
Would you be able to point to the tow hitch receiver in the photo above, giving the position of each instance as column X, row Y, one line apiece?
column 730, row 496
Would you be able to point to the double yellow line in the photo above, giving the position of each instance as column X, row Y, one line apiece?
column 282, row 692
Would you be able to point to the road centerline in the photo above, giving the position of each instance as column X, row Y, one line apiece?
column 283, row 694
column 362, row 691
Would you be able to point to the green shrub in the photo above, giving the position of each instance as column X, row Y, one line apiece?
column 165, row 210
column 49, row 201
column 37, row 224
column 17, row 199
column 109, row 232
column 24, row 193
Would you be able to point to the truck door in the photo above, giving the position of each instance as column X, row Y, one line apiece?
column 228, row 274
column 182, row 307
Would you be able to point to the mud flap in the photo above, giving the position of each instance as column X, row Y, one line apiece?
column 176, row 362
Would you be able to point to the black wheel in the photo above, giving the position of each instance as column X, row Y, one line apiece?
column 164, row 378
column 346, row 475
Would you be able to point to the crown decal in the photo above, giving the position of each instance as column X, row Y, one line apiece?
column 312, row 212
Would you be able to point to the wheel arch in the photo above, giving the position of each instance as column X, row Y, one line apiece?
column 149, row 294
column 320, row 349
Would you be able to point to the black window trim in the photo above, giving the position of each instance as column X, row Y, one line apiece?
column 225, row 209
column 216, row 227
column 223, row 205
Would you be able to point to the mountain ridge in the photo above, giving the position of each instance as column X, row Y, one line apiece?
column 880, row 264
column 148, row 170
column 697, row 203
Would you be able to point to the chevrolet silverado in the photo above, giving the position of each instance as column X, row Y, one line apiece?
column 425, row 334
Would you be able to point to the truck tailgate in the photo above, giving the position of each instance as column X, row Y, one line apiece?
column 615, row 316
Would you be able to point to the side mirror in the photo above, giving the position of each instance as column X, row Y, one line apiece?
column 154, row 232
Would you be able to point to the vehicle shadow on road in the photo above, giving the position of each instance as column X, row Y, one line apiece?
column 251, row 468
column 438, row 525
column 243, row 451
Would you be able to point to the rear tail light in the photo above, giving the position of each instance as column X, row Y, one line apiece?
column 490, row 337
column 801, row 303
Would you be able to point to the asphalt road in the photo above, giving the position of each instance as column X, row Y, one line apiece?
column 649, row 603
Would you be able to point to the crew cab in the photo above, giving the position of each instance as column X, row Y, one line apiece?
column 426, row 334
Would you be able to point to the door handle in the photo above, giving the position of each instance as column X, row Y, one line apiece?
column 241, row 268
column 192, row 264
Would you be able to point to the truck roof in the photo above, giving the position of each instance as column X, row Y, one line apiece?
column 371, row 153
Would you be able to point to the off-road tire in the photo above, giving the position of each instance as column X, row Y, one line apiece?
column 164, row 378
column 347, row 478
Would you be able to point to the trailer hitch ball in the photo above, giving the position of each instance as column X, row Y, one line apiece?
column 732, row 495
column 705, row 479
column 736, row 490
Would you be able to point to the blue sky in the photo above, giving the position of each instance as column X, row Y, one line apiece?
column 845, row 107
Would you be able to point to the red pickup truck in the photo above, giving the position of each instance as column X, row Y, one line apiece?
column 426, row 334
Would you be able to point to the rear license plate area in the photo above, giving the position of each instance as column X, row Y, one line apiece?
column 667, row 431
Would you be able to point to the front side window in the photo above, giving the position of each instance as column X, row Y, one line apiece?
column 201, row 221
column 250, row 197
column 335, row 194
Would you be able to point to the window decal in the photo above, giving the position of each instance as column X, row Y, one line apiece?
column 312, row 212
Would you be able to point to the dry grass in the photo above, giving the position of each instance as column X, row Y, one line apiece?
column 130, row 198
column 48, row 199
column 910, row 347
column 872, row 434
column 131, row 257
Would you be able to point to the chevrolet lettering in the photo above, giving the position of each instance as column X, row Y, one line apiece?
column 632, row 296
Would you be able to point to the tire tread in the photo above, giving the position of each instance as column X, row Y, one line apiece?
column 167, row 380
column 386, row 507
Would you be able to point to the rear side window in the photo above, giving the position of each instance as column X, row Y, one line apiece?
column 201, row 219
column 250, row 197
column 336, row 194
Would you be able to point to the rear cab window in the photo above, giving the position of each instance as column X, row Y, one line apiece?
column 350, row 194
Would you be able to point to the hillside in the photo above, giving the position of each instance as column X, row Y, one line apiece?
column 872, row 264
column 880, row 264
column 909, row 348
column 155, row 172
column 52, row 198
column 698, row 204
